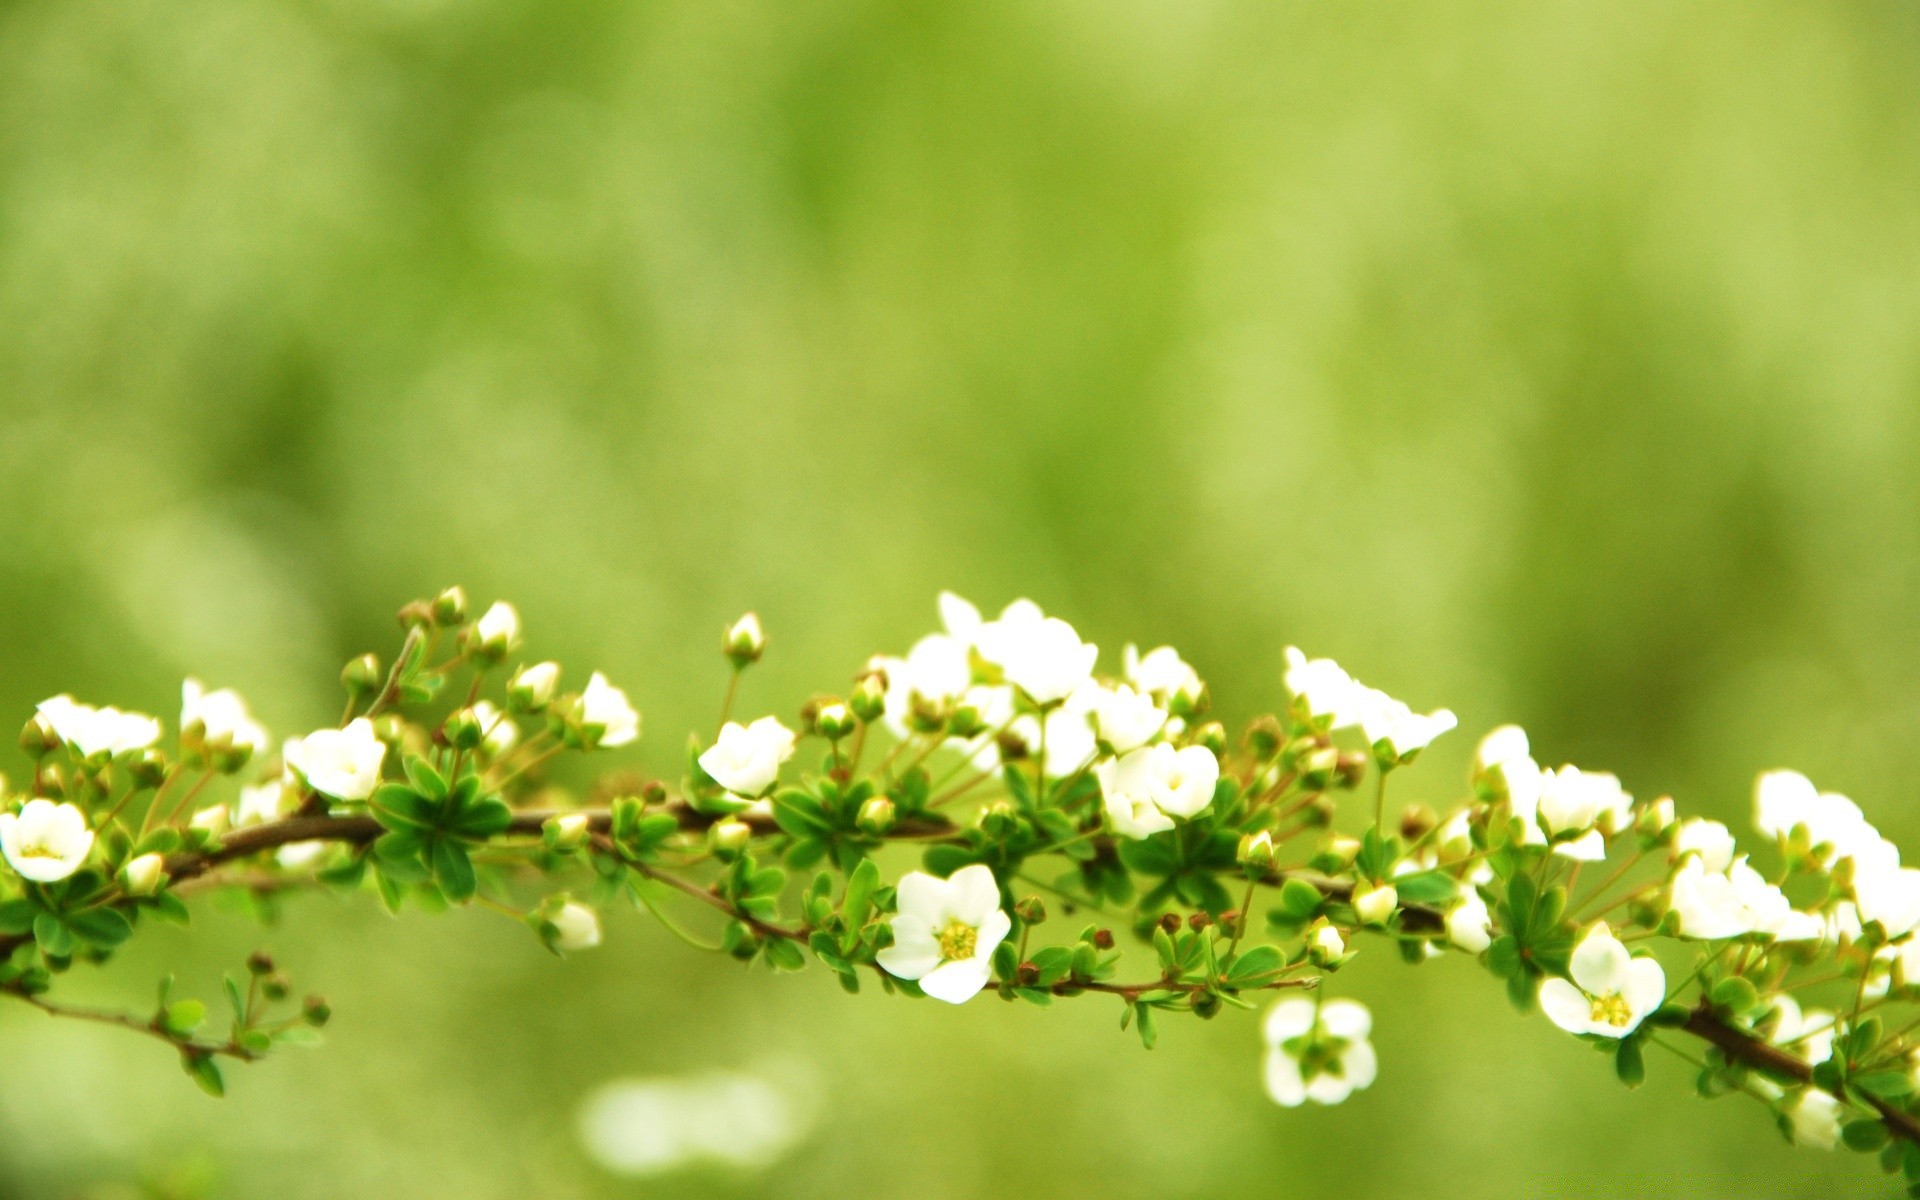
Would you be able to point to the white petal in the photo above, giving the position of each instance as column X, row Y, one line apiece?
column 974, row 893
column 1346, row 1019
column 1589, row 847
column 1328, row 1089
column 1646, row 987
column 992, row 932
column 1566, row 1006
column 1288, row 1019
column 1283, row 1078
column 1359, row 1064
column 924, row 896
column 1599, row 963
column 955, row 982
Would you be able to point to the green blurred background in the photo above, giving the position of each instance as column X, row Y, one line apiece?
column 1554, row 362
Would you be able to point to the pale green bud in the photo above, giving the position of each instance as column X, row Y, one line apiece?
column 744, row 641
column 143, row 875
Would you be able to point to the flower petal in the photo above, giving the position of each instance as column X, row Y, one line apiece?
column 1346, row 1019
column 1599, row 962
column 1646, row 988
column 955, row 982
column 1566, row 1006
column 1283, row 1078
column 924, row 896
column 992, row 932
column 1359, row 1064
column 975, row 893
column 1287, row 1019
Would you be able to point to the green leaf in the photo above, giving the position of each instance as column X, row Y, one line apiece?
column 1888, row 1085
column 427, row 781
column 205, row 1072
column 784, row 955
column 482, row 818
column 1253, row 965
column 1865, row 1135
column 1425, row 887
column 396, row 805
column 16, row 917
column 453, row 870
column 1628, row 1063
column 1300, row 900
column 1520, row 897
column 858, row 901
column 1736, row 994
column 799, row 814
column 182, row 1017
column 56, row 941
column 1163, row 945
column 1144, row 1019
column 104, row 927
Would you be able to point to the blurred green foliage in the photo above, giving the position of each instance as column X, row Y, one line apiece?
column 1552, row 362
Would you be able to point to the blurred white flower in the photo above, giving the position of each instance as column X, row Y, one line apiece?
column 98, row 731
column 1330, row 696
column 1807, row 1035
column 1611, row 992
column 341, row 763
column 498, row 629
column 143, row 874
column 1375, row 903
column 1572, row 800
column 945, row 931
column 1318, row 1053
column 532, row 688
column 1889, row 895
column 1143, row 791
column 1814, row 1119
column 1395, row 731
column 1504, row 770
column 575, row 927
column 1786, row 800
column 1709, row 841
column 44, row 841
column 645, row 1127
column 604, row 708
column 1126, row 719
column 1162, row 674
column 268, row 802
column 498, row 733
column 746, row 759
column 1040, row 655
column 1469, row 924
column 218, row 724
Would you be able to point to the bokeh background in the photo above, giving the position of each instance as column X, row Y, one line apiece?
column 1553, row 362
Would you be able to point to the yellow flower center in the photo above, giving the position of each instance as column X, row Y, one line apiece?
column 1612, row 1009
column 957, row 941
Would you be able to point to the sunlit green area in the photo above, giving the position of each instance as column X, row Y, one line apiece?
column 1556, row 363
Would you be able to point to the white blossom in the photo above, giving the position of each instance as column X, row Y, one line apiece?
column 1889, row 895
column 1469, row 924
column 1318, row 1053
column 604, row 707
column 532, row 688
column 746, row 759
column 1042, row 656
column 498, row 629
column 1395, row 731
column 1814, row 1119
column 143, row 874
column 1333, row 700
column 1707, row 903
column 45, row 841
column 1786, row 800
column 1374, row 904
column 1162, row 674
column 1503, row 767
column 1709, row 841
column 1611, row 992
column 1145, row 790
column 218, row 723
column 575, row 927
column 1126, row 719
column 945, row 931
column 1572, row 800
column 98, row 731
column 267, row 802
column 1807, row 1035
column 498, row 733
column 341, row 763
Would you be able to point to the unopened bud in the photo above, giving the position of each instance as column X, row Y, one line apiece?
column 260, row 962
column 1170, row 922
column 361, row 675
column 567, row 831
column 147, row 767
column 744, row 641
column 275, row 988
column 316, row 1011
column 1416, row 822
column 1352, row 769
column 965, row 721
column 1375, row 903
column 869, row 699
column 37, row 737
column 574, row 927
column 1103, row 938
column 1325, row 946
column 729, row 835
column 925, row 715
column 496, row 634
column 1031, row 910
column 531, row 689
column 1256, row 851
column 212, row 820
column 997, row 818
column 1198, row 921
column 876, row 816
column 450, row 606
column 143, row 875
column 834, row 721
column 1265, row 737
column 463, row 729
column 1657, row 818
column 1212, row 735
column 415, row 614
column 1012, row 747
column 1318, row 766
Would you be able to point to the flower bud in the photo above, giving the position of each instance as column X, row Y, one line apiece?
column 876, row 816
column 361, row 675
column 1342, row 849
column 1416, row 821
column 415, row 614
column 869, row 699
column 1012, row 747
column 1325, row 946
column 260, row 963
column 1352, row 769
column 834, row 721
column 450, row 607
column 211, row 820
column 1264, row 738
column 143, row 875
column 729, row 835
column 1030, row 910
column 1318, row 766
column 531, row 689
column 462, row 729
column 1170, row 922
column 1375, row 903
column 274, row 987
column 37, row 737
column 965, row 722
column 147, row 767
column 925, row 715
column 567, row 831
column 496, row 634
column 744, row 642
column 1206, row 1005
column 1198, row 921
column 1103, row 938
column 997, row 818
column 1657, row 818
column 1212, row 735
column 574, row 927
column 1256, row 851
column 316, row 1011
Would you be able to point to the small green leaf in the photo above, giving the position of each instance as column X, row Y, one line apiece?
column 56, row 941
column 1865, row 1135
column 16, row 917
column 1300, row 900
column 182, row 1017
column 1148, row 1034
column 1628, row 1063
column 104, row 927
column 784, row 955
column 453, row 870
column 429, row 782
column 1736, row 994
column 206, row 1073
column 1253, row 965
column 857, row 904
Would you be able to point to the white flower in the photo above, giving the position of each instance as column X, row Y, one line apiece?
column 45, row 841
column 1323, row 1056
column 143, row 875
column 1808, row 1035
column 1373, row 905
column 1709, row 841
column 213, row 820
column 1396, row 732
column 1768, row 909
column 1326, row 943
column 1611, row 993
column 945, row 931
column 1146, row 789
column 604, row 707
column 268, row 802
column 297, row 855
column 1469, row 925
column 1040, row 655
column 341, row 763
column 1786, row 800
column 218, row 724
column 1069, row 743
column 1890, row 896
column 1814, row 1119
column 746, row 759
column 1707, row 903
column 1504, row 769
column 1162, row 674
column 1572, row 800
column 1331, row 697
column 532, row 688
column 498, row 629
column 498, row 733
column 95, row 731
column 1126, row 719
column 575, row 927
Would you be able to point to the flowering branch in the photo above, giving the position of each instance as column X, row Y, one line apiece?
column 993, row 752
